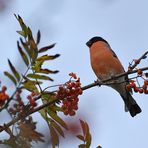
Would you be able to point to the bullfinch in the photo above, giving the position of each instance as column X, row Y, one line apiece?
column 106, row 64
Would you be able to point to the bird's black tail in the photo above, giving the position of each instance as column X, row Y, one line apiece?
column 131, row 105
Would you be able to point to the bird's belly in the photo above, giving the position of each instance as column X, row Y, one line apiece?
column 106, row 67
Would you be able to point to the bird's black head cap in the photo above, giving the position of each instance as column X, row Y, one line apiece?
column 95, row 39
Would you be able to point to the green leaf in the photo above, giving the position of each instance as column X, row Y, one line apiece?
column 43, row 49
column 57, row 127
column 25, row 46
column 47, row 71
column 30, row 85
column 37, row 76
column 82, row 146
column 54, row 136
column 23, row 26
column 16, row 74
column 83, row 127
column 21, row 33
column 38, row 37
column 33, row 46
column 47, row 96
column 48, row 57
column 23, row 55
column 10, row 77
column 54, row 116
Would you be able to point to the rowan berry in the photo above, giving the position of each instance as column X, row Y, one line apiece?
column 139, row 72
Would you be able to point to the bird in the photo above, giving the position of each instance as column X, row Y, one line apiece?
column 105, row 65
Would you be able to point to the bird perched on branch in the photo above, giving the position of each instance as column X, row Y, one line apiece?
column 106, row 64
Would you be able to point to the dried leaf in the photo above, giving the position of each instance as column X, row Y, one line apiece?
column 10, row 77
column 16, row 74
column 23, row 55
column 28, row 131
column 38, row 37
column 80, row 137
column 43, row 49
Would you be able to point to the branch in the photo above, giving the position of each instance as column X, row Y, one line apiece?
column 99, row 83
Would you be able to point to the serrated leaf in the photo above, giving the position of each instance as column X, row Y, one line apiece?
column 10, row 77
column 43, row 49
column 57, row 127
column 16, row 74
column 37, row 76
column 23, row 55
column 54, row 116
column 38, row 37
column 80, row 137
column 54, row 136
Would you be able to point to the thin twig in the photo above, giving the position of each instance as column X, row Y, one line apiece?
column 142, row 57
column 16, row 119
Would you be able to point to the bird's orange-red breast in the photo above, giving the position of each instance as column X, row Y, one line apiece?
column 106, row 64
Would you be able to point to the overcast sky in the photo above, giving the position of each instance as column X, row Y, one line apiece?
column 71, row 24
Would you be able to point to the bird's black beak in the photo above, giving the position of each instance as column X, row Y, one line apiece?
column 89, row 43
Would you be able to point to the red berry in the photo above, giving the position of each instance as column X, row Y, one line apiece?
column 140, row 91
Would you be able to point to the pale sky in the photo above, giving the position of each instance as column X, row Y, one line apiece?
column 71, row 24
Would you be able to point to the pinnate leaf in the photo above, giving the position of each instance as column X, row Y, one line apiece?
column 14, row 71
column 54, row 116
column 23, row 55
column 37, row 76
column 43, row 49
column 10, row 77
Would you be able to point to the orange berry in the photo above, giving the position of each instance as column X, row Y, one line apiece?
column 145, row 82
column 72, row 113
column 146, row 91
column 140, row 91
column 4, row 88
column 136, row 89
column 128, row 87
column 66, row 112
column 73, row 75
column 133, row 85
column 137, row 61
column 139, row 72
column 144, row 87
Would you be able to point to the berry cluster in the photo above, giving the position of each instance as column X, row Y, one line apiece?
column 142, row 89
column 3, row 96
column 68, row 93
column 31, row 99
column 18, row 105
